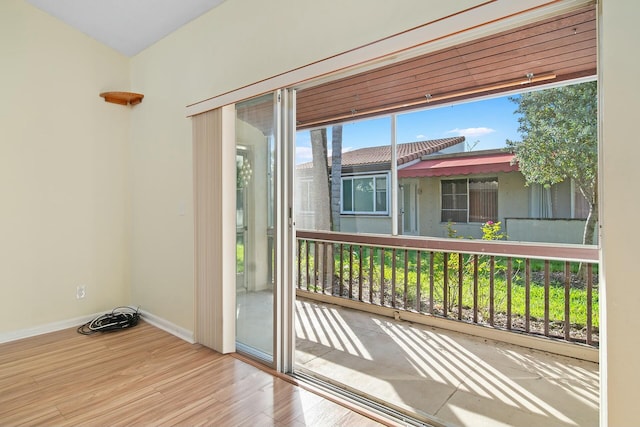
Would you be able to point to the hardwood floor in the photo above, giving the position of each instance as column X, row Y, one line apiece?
column 144, row 376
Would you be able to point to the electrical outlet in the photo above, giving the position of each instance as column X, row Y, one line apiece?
column 81, row 292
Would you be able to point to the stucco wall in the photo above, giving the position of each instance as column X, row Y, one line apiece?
column 545, row 230
column 365, row 224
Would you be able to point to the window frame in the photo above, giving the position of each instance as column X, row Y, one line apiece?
column 375, row 177
column 467, row 195
column 305, row 204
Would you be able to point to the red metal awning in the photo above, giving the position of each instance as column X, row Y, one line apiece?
column 466, row 165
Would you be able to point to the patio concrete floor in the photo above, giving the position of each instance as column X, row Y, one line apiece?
column 459, row 379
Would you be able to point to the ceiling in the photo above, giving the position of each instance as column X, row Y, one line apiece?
column 128, row 26
column 559, row 48
column 562, row 46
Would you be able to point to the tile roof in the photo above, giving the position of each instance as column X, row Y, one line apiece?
column 406, row 152
column 381, row 155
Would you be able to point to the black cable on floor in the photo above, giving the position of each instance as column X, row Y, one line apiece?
column 119, row 318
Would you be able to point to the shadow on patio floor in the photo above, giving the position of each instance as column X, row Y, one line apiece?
column 460, row 379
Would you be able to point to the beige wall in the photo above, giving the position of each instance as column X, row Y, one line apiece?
column 619, row 165
column 64, row 198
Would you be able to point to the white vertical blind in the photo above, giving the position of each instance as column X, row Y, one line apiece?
column 214, row 242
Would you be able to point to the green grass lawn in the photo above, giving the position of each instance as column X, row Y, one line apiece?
column 577, row 294
column 239, row 257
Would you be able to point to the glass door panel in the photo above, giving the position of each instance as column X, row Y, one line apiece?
column 256, row 138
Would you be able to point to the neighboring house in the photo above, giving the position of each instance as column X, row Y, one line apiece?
column 471, row 188
column 366, row 184
column 440, row 184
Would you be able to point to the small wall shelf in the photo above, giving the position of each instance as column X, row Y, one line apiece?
column 122, row 98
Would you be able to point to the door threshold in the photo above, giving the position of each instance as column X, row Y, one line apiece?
column 384, row 412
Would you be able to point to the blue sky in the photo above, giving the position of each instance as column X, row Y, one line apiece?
column 486, row 124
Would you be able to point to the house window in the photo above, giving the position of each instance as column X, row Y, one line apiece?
column 304, row 196
column 470, row 200
column 541, row 201
column 454, row 200
column 365, row 194
column 561, row 201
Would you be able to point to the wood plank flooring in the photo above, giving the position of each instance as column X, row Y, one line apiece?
column 144, row 376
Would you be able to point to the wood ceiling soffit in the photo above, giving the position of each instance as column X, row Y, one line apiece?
column 564, row 45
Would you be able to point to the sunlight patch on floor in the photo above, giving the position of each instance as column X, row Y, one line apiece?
column 458, row 378
column 325, row 326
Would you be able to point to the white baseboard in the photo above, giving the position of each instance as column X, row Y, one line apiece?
column 154, row 320
column 169, row 327
column 46, row 328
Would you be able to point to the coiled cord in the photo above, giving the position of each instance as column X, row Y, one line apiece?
column 120, row 318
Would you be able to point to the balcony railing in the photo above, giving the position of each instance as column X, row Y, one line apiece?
column 538, row 289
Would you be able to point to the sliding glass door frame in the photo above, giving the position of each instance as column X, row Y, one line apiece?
column 284, row 343
column 280, row 257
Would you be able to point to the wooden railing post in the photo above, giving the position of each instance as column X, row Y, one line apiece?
column 316, row 263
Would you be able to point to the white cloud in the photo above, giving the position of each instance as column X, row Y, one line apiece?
column 472, row 132
column 344, row 150
column 421, row 136
column 303, row 154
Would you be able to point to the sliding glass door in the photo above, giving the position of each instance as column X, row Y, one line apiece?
column 263, row 229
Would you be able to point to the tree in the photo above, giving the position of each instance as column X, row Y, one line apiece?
column 320, row 184
column 559, row 141
column 324, row 192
